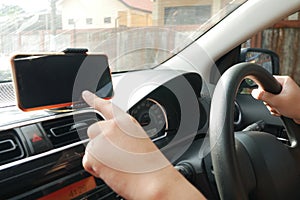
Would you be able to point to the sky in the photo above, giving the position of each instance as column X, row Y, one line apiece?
column 28, row 5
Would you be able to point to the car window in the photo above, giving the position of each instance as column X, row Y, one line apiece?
column 134, row 34
column 284, row 39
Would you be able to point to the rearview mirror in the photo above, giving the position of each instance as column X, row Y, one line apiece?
column 263, row 57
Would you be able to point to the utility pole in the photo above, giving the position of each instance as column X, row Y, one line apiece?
column 53, row 25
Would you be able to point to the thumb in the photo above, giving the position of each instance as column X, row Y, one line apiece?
column 261, row 94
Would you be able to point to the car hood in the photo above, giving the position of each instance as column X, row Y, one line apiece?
column 9, row 112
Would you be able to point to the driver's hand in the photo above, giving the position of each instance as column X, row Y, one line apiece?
column 123, row 156
column 286, row 103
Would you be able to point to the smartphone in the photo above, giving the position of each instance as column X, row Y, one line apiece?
column 56, row 80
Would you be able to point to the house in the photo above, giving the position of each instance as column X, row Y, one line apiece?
column 90, row 14
column 178, row 12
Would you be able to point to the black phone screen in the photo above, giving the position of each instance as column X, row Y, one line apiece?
column 53, row 81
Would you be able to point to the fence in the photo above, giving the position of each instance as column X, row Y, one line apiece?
column 127, row 48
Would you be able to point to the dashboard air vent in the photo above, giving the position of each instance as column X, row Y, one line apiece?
column 69, row 129
column 10, row 147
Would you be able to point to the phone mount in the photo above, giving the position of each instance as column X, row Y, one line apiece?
column 80, row 104
column 76, row 50
column 55, row 81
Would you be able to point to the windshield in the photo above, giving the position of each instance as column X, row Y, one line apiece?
column 134, row 34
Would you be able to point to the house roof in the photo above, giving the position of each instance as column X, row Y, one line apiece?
column 144, row 5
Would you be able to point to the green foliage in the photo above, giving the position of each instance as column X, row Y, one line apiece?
column 9, row 10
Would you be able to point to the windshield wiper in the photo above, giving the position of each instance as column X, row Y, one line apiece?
column 5, row 81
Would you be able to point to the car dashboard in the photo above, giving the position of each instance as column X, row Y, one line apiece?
column 41, row 151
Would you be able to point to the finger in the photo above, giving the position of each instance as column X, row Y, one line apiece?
column 103, row 106
column 261, row 94
column 273, row 111
column 297, row 121
column 281, row 79
column 275, row 114
column 94, row 130
column 92, row 165
column 86, row 163
column 257, row 93
column 123, row 156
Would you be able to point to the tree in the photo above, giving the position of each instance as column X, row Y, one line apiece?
column 8, row 10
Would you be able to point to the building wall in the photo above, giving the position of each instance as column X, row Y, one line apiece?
column 160, row 7
column 90, row 14
column 133, row 18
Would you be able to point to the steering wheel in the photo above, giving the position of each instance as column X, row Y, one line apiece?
column 251, row 165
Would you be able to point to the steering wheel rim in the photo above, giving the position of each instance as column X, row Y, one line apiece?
column 221, row 129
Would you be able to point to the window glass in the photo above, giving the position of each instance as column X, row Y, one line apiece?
column 284, row 39
column 134, row 34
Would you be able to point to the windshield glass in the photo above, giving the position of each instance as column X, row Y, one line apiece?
column 135, row 34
